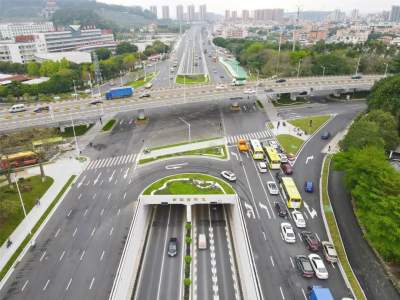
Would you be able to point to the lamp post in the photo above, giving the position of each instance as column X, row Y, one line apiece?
column 279, row 51
column 358, row 64
column 76, row 140
column 20, row 199
column 386, row 68
column 323, row 71
column 75, row 93
column 188, row 124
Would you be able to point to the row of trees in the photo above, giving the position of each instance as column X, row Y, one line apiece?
column 372, row 180
column 330, row 59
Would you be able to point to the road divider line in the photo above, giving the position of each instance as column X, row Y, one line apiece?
column 272, row 261
column 111, row 231
column 45, row 286
column 69, row 283
column 91, row 283
column 58, row 231
column 43, row 255
column 69, row 213
column 93, row 231
column 291, row 261
column 24, row 286
column 283, row 296
column 61, row 256
column 85, row 213
column 102, row 255
column 82, row 255
column 76, row 229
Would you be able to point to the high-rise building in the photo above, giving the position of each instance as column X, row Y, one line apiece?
column 179, row 12
column 191, row 12
column 395, row 14
column 234, row 14
column 203, row 12
column 355, row 15
column 227, row 14
column 165, row 12
column 153, row 10
column 245, row 14
column 275, row 14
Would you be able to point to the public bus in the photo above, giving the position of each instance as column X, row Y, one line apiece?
column 274, row 161
column 256, row 149
column 291, row 193
column 19, row 159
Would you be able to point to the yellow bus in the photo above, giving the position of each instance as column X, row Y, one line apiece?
column 274, row 160
column 256, row 149
column 291, row 193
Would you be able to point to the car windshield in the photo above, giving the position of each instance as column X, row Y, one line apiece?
column 321, row 270
column 307, row 265
column 290, row 234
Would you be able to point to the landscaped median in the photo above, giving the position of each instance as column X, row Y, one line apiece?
column 289, row 143
column 143, row 80
column 25, row 242
column 334, row 232
column 310, row 124
column 109, row 125
column 192, row 79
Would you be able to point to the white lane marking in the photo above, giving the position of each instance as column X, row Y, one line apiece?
column 24, row 286
column 70, row 212
column 80, row 195
column 102, row 255
column 47, row 283
column 41, row 258
column 111, row 177
column 250, row 210
column 316, row 234
column 309, row 158
column 304, row 294
column 82, row 255
column 266, row 209
column 235, row 155
column 272, row 261
column 130, row 180
column 291, row 261
column 283, row 296
column 299, row 236
column 69, row 283
column 86, row 211
column 62, row 255
column 81, row 182
column 124, row 195
column 119, row 211
column 265, row 238
column 97, row 178
column 175, row 166
column 91, row 284
column 58, row 231
column 94, row 195
column 312, row 212
column 126, row 173
column 122, row 121
column 109, row 196
column 111, row 231
column 76, row 229
column 102, row 212
column 93, row 231
column 251, row 191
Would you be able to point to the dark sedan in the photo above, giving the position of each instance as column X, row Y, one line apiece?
column 281, row 210
column 304, row 266
column 40, row 109
column 311, row 241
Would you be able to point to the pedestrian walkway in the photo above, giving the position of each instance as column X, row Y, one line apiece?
column 264, row 134
column 111, row 161
column 288, row 129
column 69, row 167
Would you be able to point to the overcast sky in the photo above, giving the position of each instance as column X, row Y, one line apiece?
column 219, row 6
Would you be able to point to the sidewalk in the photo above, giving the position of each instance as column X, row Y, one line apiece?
column 288, row 129
column 183, row 148
column 69, row 167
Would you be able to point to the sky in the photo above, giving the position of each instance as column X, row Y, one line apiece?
column 219, row 6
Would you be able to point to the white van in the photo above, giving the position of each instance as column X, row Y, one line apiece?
column 17, row 108
column 202, row 241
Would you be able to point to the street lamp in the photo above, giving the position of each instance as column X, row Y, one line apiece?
column 323, row 71
column 76, row 94
column 188, row 124
column 76, row 140
column 279, row 51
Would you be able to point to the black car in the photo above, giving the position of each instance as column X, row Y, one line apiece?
column 356, row 77
column 311, row 241
column 326, row 135
column 280, row 80
column 95, row 102
column 281, row 209
column 279, row 177
column 304, row 266
column 173, row 247
column 40, row 109
column 221, row 76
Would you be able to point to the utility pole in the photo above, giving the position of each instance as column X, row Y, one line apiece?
column 279, row 51
column 297, row 24
column 298, row 68
column 323, row 71
column 358, row 64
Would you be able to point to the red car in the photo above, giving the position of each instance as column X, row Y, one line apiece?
column 311, row 241
column 287, row 169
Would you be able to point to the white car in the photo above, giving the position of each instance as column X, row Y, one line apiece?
column 249, row 91
column 273, row 144
column 298, row 219
column 283, row 158
column 288, row 233
column 272, row 188
column 262, row 167
column 220, row 87
column 228, row 175
column 318, row 266
column 329, row 252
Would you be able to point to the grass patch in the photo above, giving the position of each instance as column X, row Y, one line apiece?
column 289, row 143
column 109, row 125
column 79, row 130
column 25, row 242
column 142, row 81
column 215, row 151
column 191, row 79
column 259, row 103
column 285, row 100
column 187, row 187
column 333, row 229
column 11, row 215
column 182, row 143
column 304, row 123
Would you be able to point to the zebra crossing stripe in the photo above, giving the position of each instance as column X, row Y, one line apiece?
column 90, row 164
column 102, row 163
column 97, row 163
column 126, row 158
column 120, row 159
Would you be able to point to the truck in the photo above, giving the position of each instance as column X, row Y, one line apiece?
column 243, row 145
column 120, row 92
column 237, row 82
column 320, row 293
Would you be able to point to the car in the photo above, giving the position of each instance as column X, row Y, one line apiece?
column 280, row 80
column 272, row 188
column 287, row 169
column 235, row 98
column 356, row 76
column 288, row 233
column 249, row 91
column 268, row 90
column 298, row 219
column 144, row 95
column 283, row 158
column 329, row 252
column 173, row 247
column 149, row 65
column 220, row 86
column 281, row 210
column 311, row 240
column 325, row 135
column 304, row 93
column 279, row 177
column 148, row 85
column 40, row 109
column 221, row 76
column 214, row 71
column 87, row 91
column 308, row 186
column 318, row 266
column 291, row 156
column 304, row 266
column 17, row 108
column 228, row 175
column 262, row 166
column 95, row 102
column 273, row 144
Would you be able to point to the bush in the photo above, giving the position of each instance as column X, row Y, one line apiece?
column 188, row 240
column 188, row 259
column 188, row 226
column 187, row 281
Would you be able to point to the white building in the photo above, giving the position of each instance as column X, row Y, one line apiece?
column 21, row 51
column 230, row 31
column 72, row 56
column 352, row 36
column 8, row 31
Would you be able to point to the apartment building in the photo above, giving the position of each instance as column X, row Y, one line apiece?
column 8, row 31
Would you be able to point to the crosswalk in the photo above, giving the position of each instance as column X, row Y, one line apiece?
column 111, row 161
column 247, row 136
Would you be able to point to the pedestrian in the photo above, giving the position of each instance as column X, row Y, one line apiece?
column 329, row 148
column 38, row 202
column 101, row 121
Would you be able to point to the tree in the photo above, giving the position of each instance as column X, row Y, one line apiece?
column 334, row 64
column 362, row 133
column 103, row 53
column 49, row 68
column 33, row 68
column 129, row 61
column 125, row 47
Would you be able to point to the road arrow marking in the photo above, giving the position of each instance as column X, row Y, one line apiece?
column 176, row 166
column 97, row 178
column 309, row 158
column 312, row 212
column 266, row 208
column 250, row 211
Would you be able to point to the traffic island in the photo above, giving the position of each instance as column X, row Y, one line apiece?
column 192, row 79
